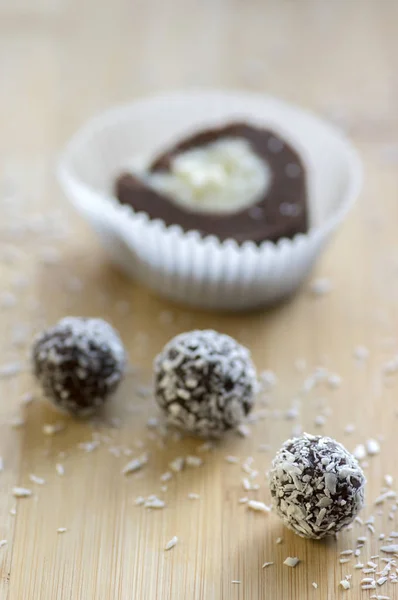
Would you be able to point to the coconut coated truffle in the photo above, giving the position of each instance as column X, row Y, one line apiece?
column 317, row 486
column 79, row 363
column 205, row 382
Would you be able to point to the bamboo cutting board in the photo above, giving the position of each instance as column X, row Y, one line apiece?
column 62, row 60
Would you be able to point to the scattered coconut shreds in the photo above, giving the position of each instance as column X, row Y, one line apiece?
column 268, row 379
column 388, row 480
column 205, row 447
column 343, row 561
column 392, row 549
column 346, row 552
column 279, row 540
column 3, row 543
column 193, row 461
column 291, row 561
column 267, row 564
column 320, row 286
column 60, row 469
column 154, row 502
column 13, row 512
column 249, row 485
column 61, row 530
column 166, row 476
column 193, row 496
column 1, row 464
column 334, row 381
column 319, row 420
column 177, row 464
column 232, row 460
column 88, row 446
column 362, row 539
column 235, row 581
column 20, row 492
column 377, row 597
column 258, row 506
column 139, row 501
column 243, row 500
column 372, row 447
column 264, row 448
column 359, row 566
column 34, row 479
column 53, row 428
column 10, row 370
column 244, row 430
column 361, row 353
column 135, row 465
column 349, row 429
column 170, row 544
column 27, row 398
column 369, row 586
column 345, row 584
column 359, row 452
column 386, row 496
column 314, row 585
column 382, row 580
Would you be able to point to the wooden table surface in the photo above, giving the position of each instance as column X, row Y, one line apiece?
column 61, row 61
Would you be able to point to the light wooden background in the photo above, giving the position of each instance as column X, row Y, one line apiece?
column 61, row 61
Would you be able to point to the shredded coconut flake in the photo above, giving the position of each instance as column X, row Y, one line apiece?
column 258, row 506
column 154, row 502
column 320, row 286
column 345, row 584
column 53, row 428
column 135, row 465
column 392, row 549
column 193, row 461
column 177, row 464
column 291, row 561
column 171, row 543
column 372, row 447
column 359, row 452
column 60, row 469
column 38, row 480
column 21, row 492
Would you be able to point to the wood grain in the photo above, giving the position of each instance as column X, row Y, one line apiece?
column 61, row 61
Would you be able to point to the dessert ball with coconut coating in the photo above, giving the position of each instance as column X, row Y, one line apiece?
column 79, row 363
column 205, row 382
column 317, row 486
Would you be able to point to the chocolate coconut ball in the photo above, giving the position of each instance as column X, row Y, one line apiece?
column 79, row 363
column 205, row 382
column 317, row 486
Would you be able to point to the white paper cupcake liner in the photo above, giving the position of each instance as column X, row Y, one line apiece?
column 184, row 266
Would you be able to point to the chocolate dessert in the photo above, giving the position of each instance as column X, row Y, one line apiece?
column 274, row 174
column 205, row 382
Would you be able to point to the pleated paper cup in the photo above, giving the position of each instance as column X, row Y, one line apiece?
column 184, row 266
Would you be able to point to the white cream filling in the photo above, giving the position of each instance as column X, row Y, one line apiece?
column 224, row 176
